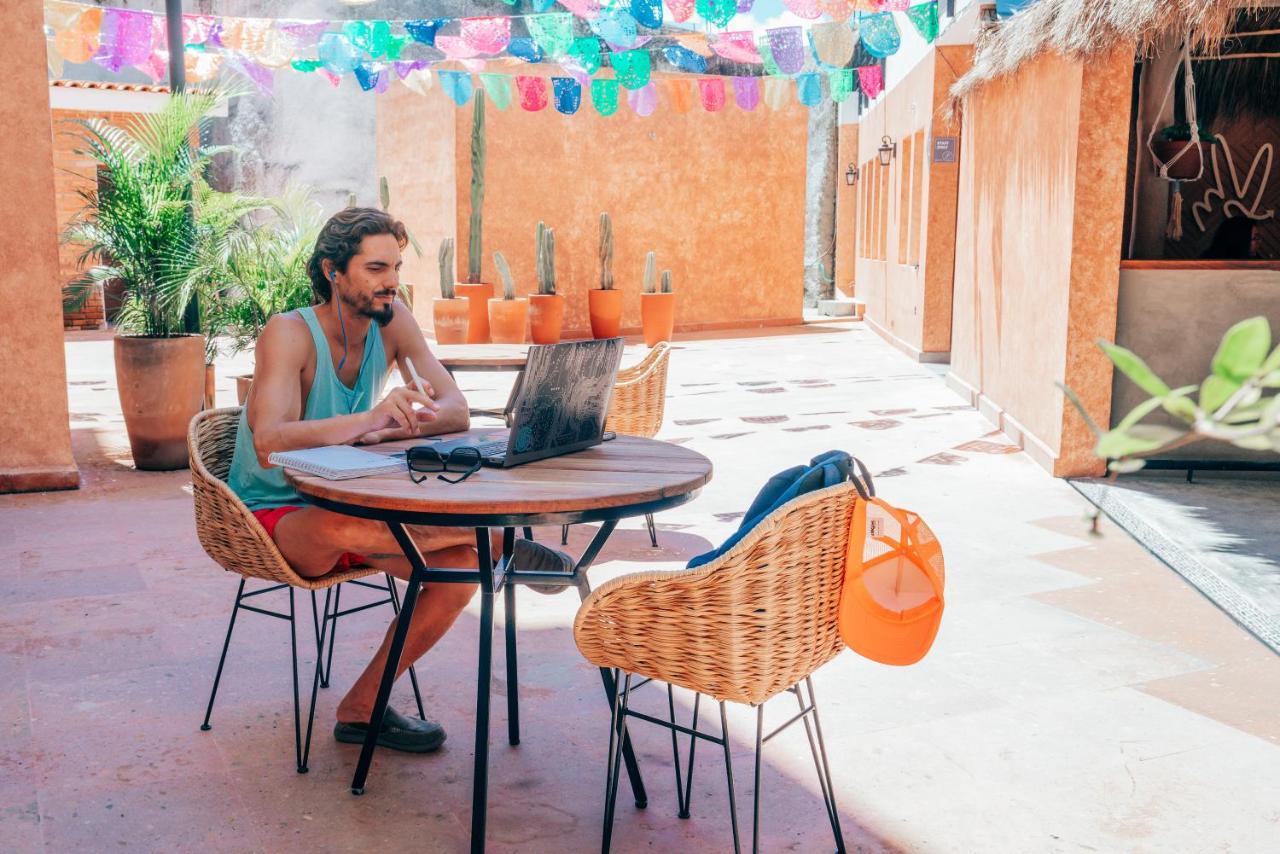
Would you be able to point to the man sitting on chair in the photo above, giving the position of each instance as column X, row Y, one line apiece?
column 318, row 373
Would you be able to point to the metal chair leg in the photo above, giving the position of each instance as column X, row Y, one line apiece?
column 226, row 644
column 728, row 771
column 509, row 630
column 653, row 530
column 684, row 788
column 394, row 592
column 755, row 807
column 564, row 535
column 297, row 703
column 327, row 672
column 617, row 737
column 824, row 768
column 315, row 679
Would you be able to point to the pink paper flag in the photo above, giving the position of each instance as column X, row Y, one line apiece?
column 588, row 9
column 644, row 100
column 803, row 8
column 533, row 92
column 746, row 92
column 871, row 80
column 712, row 94
column 839, row 10
column 894, row 5
column 680, row 10
column 333, row 79
column 125, row 39
column 736, row 47
column 455, row 48
column 486, row 35
column 196, row 28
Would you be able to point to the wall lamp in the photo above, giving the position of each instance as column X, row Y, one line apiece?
column 851, row 175
column 888, row 150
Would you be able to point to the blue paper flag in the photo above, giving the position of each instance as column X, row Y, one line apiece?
column 543, row 5
column 616, row 26
column 568, row 94
column 424, row 29
column 337, row 54
column 367, row 75
column 685, row 59
column 648, row 13
column 879, row 34
column 457, row 85
column 525, row 48
column 809, row 89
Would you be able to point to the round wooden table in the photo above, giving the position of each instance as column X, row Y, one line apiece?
column 625, row 477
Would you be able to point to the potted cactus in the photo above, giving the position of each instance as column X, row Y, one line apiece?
column 604, row 303
column 546, row 307
column 474, row 288
column 450, row 311
column 657, row 308
column 507, row 314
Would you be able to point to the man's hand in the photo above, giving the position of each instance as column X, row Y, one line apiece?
column 396, row 413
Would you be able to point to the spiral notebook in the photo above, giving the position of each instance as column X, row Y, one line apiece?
column 337, row 462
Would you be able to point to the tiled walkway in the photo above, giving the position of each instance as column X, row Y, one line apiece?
column 1080, row 696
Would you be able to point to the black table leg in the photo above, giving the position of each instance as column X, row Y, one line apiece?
column 393, row 656
column 509, row 625
column 480, row 774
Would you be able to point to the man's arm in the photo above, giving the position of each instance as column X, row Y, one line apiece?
column 275, row 401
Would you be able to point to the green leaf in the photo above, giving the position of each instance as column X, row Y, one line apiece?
column 1273, row 361
column 1269, row 442
column 1128, row 466
column 1140, row 439
column 1178, row 405
column 1142, row 410
column 1271, row 380
column 1214, row 392
column 1132, row 366
column 1243, row 349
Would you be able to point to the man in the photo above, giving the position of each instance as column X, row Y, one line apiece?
column 317, row 376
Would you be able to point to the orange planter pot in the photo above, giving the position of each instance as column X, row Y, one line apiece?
column 452, row 319
column 605, row 308
column 508, row 319
column 546, row 318
column 161, row 385
column 658, row 315
column 478, row 295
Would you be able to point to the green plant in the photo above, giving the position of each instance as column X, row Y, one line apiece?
column 1229, row 405
column 508, row 284
column 1182, row 133
column 446, row 268
column 606, row 252
column 145, row 221
column 666, row 281
column 546, row 259
column 474, row 251
column 650, row 266
column 384, row 196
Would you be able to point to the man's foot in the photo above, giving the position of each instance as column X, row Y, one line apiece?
column 535, row 557
column 398, row 732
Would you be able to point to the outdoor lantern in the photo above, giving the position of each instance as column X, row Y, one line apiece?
column 851, row 175
column 888, row 150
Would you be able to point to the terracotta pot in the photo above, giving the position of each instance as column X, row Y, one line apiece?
column 161, row 383
column 210, row 387
column 508, row 319
column 546, row 317
column 658, row 316
column 452, row 317
column 243, row 383
column 1186, row 167
column 605, row 308
column 478, row 295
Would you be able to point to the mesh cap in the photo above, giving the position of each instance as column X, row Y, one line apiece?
column 892, row 600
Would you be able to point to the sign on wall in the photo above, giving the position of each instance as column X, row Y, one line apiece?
column 944, row 149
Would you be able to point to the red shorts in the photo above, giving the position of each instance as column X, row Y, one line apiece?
column 271, row 516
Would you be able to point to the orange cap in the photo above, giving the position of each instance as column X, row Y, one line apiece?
column 892, row 600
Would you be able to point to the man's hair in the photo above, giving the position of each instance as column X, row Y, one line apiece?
column 339, row 241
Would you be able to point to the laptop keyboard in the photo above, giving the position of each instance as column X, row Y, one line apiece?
column 493, row 450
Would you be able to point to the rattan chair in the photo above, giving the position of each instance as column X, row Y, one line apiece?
column 639, row 398
column 752, row 624
column 234, row 539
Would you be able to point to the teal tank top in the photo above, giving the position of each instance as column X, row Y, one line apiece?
column 261, row 488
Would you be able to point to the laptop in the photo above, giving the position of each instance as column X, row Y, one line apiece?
column 559, row 404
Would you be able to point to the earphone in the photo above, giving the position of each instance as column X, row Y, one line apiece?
column 333, row 280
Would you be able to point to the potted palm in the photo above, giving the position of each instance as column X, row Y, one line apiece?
column 141, row 225
column 657, row 308
column 546, row 307
column 476, row 291
column 507, row 314
column 451, row 312
column 604, row 304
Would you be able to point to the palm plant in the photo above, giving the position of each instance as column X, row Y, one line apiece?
column 145, row 219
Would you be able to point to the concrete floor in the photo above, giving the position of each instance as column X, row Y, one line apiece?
column 1081, row 696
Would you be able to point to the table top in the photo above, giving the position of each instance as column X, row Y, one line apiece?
column 512, row 357
column 625, row 472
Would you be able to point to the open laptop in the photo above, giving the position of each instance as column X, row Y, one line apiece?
column 559, row 405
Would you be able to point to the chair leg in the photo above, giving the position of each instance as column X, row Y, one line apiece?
column 564, row 535
column 653, row 530
column 528, row 532
column 824, row 767
column 327, row 672
column 513, row 685
column 226, row 644
column 683, row 787
column 755, row 807
column 728, row 771
column 297, row 703
column 394, row 592
column 617, row 737
column 315, row 679
column 693, row 745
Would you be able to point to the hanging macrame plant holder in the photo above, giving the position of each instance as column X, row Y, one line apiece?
column 1173, row 229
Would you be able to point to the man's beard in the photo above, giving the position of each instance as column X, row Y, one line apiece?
column 365, row 309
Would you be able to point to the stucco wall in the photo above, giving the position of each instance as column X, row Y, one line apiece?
column 36, row 451
column 718, row 196
column 846, row 212
column 1038, row 249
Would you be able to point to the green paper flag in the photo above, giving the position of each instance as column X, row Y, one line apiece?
column 766, row 55
column 498, row 88
column 586, row 51
column 604, row 96
column 717, row 13
column 840, row 81
column 631, row 67
column 552, row 32
column 306, row 66
column 924, row 17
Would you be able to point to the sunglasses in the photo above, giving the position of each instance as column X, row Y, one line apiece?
column 425, row 461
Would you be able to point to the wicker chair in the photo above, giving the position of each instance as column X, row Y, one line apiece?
column 754, row 623
column 639, row 398
column 234, row 539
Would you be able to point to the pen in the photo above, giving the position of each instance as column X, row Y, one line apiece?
column 417, row 380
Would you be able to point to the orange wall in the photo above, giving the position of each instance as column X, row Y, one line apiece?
column 1038, row 249
column 846, row 212
column 718, row 196
column 36, row 451
column 904, row 271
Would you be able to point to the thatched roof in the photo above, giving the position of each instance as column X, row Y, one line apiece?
column 1078, row 28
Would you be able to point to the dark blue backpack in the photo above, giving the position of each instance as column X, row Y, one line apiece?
column 822, row 471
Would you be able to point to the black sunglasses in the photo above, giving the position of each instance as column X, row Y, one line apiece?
column 425, row 461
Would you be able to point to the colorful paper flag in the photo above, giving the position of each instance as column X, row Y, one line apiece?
column 736, row 47
column 79, row 42
column 424, row 29
column 833, row 44
column 526, row 49
column 746, row 92
column 648, row 13
column 717, row 13
column 807, row 9
column 871, row 80
column 337, row 54
column 840, row 82
column 125, row 39
column 456, row 84
column 681, row 10
column 631, row 67
column 533, row 92
column 679, row 94
column 839, row 10
column 924, row 17
column 498, row 88
column 552, row 32
column 486, row 35
column 786, row 45
column 644, row 100
column 684, row 59
column 712, row 91
column 568, row 95
column 879, row 33
column 776, row 90
column 587, row 9
column 809, row 89
column 616, row 26
column 604, row 96
column 586, row 52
